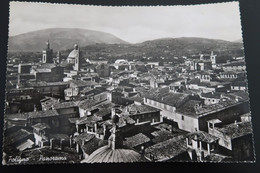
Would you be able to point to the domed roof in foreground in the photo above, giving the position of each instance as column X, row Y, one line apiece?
column 107, row 155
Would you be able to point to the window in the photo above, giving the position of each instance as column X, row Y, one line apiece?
column 211, row 125
column 182, row 118
column 189, row 141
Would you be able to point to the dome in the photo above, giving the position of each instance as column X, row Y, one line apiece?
column 121, row 61
column 73, row 53
column 107, row 155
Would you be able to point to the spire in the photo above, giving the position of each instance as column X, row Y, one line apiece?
column 48, row 45
column 76, row 47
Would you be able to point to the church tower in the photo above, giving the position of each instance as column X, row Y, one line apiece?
column 213, row 59
column 58, row 58
column 47, row 54
column 77, row 65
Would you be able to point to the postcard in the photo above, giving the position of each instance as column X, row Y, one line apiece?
column 116, row 84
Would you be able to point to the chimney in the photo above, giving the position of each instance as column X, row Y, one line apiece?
column 95, row 127
column 62, row 144
column 113, row 111
column 71, row 141
column 142, row 152
column 51, row 143
column 104, row 129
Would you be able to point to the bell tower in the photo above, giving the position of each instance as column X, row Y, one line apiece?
column 213, row 59
column 77, row 65
column 47, row 54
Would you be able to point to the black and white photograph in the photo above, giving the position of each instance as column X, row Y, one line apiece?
column 118, row 84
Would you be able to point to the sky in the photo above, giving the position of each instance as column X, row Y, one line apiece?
column 132, row 24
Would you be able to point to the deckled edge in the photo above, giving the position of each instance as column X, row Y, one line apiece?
column 115, row 6
column 4, row 162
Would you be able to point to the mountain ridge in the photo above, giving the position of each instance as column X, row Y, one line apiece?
column 60, row 39
column 65, row 38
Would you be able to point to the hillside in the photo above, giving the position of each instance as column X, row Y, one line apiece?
column 60, row 39
column 166, row 47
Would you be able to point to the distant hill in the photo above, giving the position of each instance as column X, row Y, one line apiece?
column 190, row 44
column 60, row 39
column 184, row 46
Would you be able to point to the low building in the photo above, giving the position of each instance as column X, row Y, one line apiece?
column 48, row 72
column 50, row 88
column 211, row 98
column 170, row 150
column 235, row 66
column 235, row 139
column 239, row 86
column 201, row 144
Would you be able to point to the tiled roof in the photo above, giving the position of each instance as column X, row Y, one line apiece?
column 189, row 107
column 236, row 63
column 206, row 109
column 65, row 105
column 241, row 95
column 17, row 116
column 136, row 109
column 41, row 126
column 215, row 95
column 46, row 66
column 202, row 136
column 136, row 140
column 239, row 83
column 16, row 136
column 236, row 130
column 83, row 137
column 124, row 120
column 89, row 103
column 161, row 135
column 41, row 114
column 93, row 144
column 164, row 96
column 43, row 83
column 81, row 83
column 168, row 149
column 216, row 157
column 137, row 98
column 89, row 121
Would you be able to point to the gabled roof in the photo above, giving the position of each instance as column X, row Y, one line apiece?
column 136, row 140
column 93, row 144
column 189, row 107
column 168, row 149
column 202, row 136
column 41, row 126
column 164, row 96
column 16, row 136
column 42, row 114
column 63, row 105
column 215, row 95
column 236, row 130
